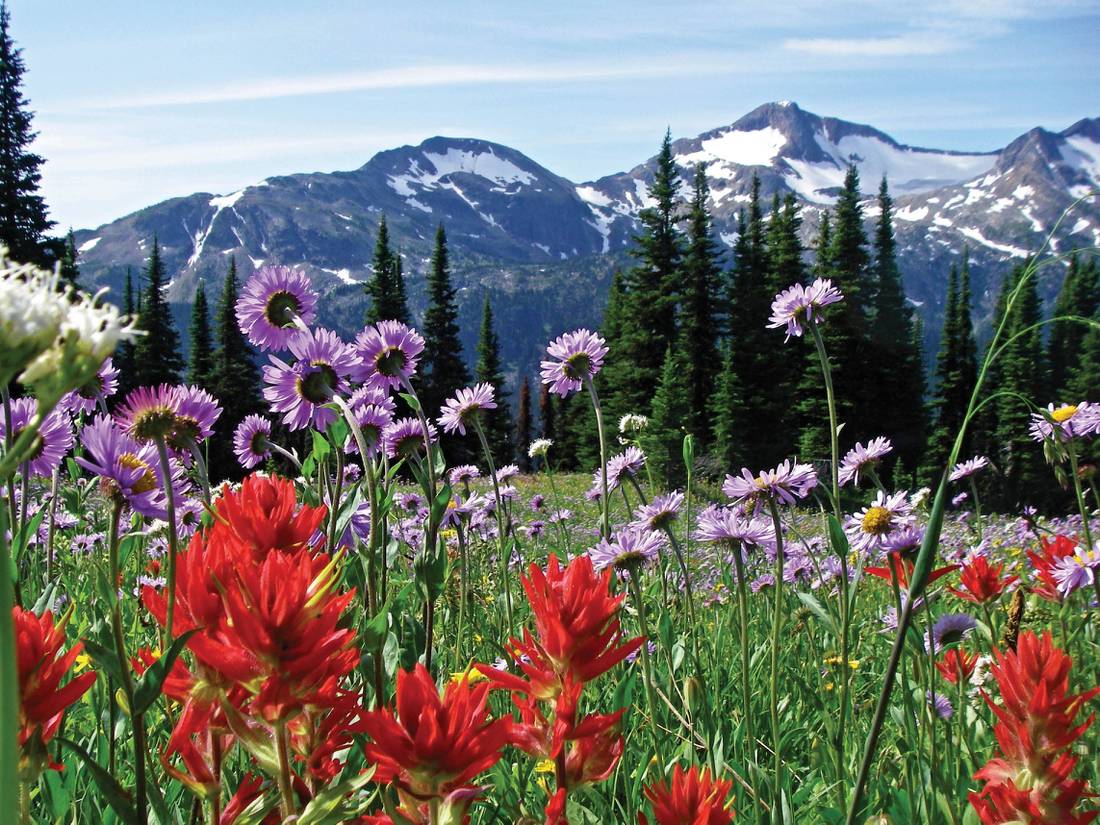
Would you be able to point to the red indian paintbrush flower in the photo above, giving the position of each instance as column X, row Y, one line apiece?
column 264, row 515
column 434, row 745
column 1044, row 562
column 692, row 798
column 957, row 665
column 42, row 664
column 578, row 634
column 903, row 569
column 981, row 582
column 1030, row 781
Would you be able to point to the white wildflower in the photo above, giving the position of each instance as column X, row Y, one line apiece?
column 539, row 447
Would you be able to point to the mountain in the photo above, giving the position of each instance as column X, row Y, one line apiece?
column 545, row 248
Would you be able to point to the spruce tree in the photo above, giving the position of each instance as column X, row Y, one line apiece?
column 442, row 368
column 498, row 422
column 24, row 220
column 894, row 367
column 697, row 341
column 662, row 441
column 1084, row 383
column 70, row 257
column 200, row 370
column 124, row 354
column 235, row 380
column 651, row 292
column 401, row 297
column 387, row 297
column 1078, row 296
column 811, row 409
column 731, row 418
column 523, row 426
column 547, row 418
column 947, row 413
column 157, row 357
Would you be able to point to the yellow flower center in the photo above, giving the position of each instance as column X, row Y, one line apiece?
column 876, row 520
column 148, row 481
column 1064, row 413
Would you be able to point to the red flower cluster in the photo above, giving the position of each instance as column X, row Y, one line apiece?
column 1030, row 781
column 957, row 665
column 268, row 648
column 1044, row 562
column 903, row 569
column 432, row 749
column 981, row 582
column 42, row 665
column 578, row 637
column 692, row 798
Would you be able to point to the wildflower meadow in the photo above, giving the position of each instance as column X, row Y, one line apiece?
column 359, row 633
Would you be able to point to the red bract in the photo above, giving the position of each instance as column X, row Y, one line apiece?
column 250, row 789
column 903, row 569
column 264, row 515
column 981, row 582
column 1044, row 562
column 42, row 665
column 1035, row 728
column 434, row 746
column 957, row 664
column 319, row 733
column 578, row 634
column 692, row 798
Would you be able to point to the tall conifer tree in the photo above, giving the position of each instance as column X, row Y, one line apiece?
column 731, row 418
column 443, row 370
column 663, row 439
column 382, row 288
column 200, row 370
column 24, row 219
column 1078, row 296
column 523, row 425
column 547, row 419
column 401, row 295
column 124, row 355
column 498, row 422
column 70, row 260
column 157, row 357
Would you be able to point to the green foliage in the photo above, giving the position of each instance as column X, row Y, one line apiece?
column 1079, row 296
column 200, row 370
column 386, row 287
column 498, row 422
column 523, row 425
column 662, row 441
column 157, row 357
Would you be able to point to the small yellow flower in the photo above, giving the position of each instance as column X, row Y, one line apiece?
column 470, row 674
column 477, row 638
column 83, row 661
column 544, row 766
column 829, row 686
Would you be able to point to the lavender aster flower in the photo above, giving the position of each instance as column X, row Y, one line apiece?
column 507, row 472
column 269, row 303
column 250, row 441
column 869, row 528
column 659, row 513
column 628, row 549
column 102, row 386
column 149, row 413
column 196, row 413
column 389, row 352
column 626, row 464
column 940, row 704
column 785, row 484
column 860, row 458
column 576, row 357
column 405, row 437
column 300, row 392
column 461, row 410
column 965, row 469
column 372, row 420
column 797, row 304
column 950, row 629
column 725, row 524
column 536, row 502
column 1077, row 571
column 1064, row 422
column 55, row 436
column 464, row 474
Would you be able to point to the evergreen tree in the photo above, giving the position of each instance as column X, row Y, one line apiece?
column 442, row 368
column 401, row 296
column 650, row 290
column 947, row 404
column 1084, row 383
column 200, row 371
column 157, row 357
column 235, row 380
column 894, row 369
column 811, row 409
column 731, row 419
column 698, row 336
column 547, row 419
column 498, row 422
column 662, row 441
column 523, row 426
column 24, row 221
column 1078, row 296
column 70, row 256
column 387, row 297
column 124, row 355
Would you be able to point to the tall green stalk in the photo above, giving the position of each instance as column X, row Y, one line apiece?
column 173, row 537
column 647, row 665
column 605, row 525
column 777, row 630
column 746, row 660
column 498, row 511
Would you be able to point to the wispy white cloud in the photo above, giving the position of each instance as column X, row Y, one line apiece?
column 922, row 44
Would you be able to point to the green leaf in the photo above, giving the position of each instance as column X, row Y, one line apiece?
column 321, row 446
column 148, row 689
column 411, row 400
column 815, row 607
column 339, row 801
column 104, row 656
column 112, row 791
column 255, row 738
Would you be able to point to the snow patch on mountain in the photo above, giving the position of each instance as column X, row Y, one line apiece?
column 88, row 245
column 1083, row 155
column 484, row 164
column 976, row 235
column 758, row 147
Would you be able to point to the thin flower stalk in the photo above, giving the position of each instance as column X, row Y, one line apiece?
column 498, row 512
column 605, row 525
column 173, row 535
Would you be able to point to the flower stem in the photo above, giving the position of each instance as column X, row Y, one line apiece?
column 605, row 528
column 746, row 693
column 173, row 539
column 647, row 666
column 53, row 525
column 777, row 629
column 498, row 511
column 9, row 686
column 286, row 789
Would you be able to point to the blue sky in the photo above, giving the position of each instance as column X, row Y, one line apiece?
column 140, row 101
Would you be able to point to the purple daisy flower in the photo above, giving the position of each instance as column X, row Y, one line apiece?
column 965, row 469
column 578, row 356
column 785, row 484
column 85, row 543
column 940, row 704
column 1064, row 422
column 904, row 540
column 55, row 436
column 949, row 629
column 536, row 502
column 1077, row 571
column 628, row 463
column 659, row 513
column 270, row 301
column 628, row 549
column 196, row 413
column 506, row 473
column 250, row 441
column 389, row 352
column 300, row 392
column 405, row 437
column 535, row 529
column 372, row 395
column 128, row 468
column 372, row 420
column 560, row 516
column 726, row 524
column 861, row 458
column 797, row 304
column 149, row 413
column 464, row 474
column 102, row 386
column 461, row 410
column 869, row 528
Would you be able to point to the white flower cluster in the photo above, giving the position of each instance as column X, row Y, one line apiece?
column 632, row 423
column 539, row 447
column 52, row 336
